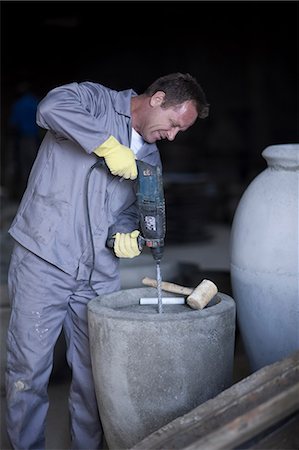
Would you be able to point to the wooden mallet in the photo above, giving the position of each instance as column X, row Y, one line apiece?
column 197, row 298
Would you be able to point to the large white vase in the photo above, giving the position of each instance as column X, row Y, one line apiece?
column 265, row 259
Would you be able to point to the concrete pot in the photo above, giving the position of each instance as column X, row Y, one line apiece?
column 150, row 368
column 264, row 259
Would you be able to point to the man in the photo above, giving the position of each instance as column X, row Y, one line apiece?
column 70, row 207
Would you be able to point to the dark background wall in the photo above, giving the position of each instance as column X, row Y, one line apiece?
column 244, row 54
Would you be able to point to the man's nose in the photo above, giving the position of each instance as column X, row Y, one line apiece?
column 172, row 134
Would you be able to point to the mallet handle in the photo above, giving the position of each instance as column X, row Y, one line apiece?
column 169, row 287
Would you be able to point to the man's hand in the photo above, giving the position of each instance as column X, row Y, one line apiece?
column 119, row 158
column 126, row 244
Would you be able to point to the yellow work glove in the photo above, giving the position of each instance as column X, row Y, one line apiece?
column 126, row 244
column 119, row 158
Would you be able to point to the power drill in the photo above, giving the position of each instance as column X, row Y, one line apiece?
column 151, row 205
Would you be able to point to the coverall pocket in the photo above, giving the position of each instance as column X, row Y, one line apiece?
column 44, row 216
column 18, row 255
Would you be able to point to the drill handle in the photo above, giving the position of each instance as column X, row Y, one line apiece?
column 140, row 241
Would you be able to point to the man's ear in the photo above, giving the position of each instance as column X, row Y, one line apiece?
column 157, row 99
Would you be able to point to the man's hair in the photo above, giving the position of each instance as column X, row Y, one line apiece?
column 179, row 88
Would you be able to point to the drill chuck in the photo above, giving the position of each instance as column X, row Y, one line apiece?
column 157, row 253
column 156, row 246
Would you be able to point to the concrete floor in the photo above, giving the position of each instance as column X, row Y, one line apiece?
column 205, row 258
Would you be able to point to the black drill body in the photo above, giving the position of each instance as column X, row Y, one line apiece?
column 151, row 205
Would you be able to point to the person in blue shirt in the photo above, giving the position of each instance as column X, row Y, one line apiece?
column 25, row 133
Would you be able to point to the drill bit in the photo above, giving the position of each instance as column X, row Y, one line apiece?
column 159, row 288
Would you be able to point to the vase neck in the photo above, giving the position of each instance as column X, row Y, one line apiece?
column 285, row 156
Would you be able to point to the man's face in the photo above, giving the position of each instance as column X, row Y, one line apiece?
column 165, row 123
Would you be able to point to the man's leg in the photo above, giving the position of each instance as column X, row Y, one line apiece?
column 86, row 429
column 39, row 302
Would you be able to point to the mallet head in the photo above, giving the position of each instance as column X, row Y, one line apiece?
column 202, row 294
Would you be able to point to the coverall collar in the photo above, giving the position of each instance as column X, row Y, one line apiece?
column 123, row 102
column 123, row 106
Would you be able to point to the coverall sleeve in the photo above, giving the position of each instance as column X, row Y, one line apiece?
column 78, row 112
column 127, row 221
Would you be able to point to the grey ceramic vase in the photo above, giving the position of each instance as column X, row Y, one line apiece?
column 150, row 367
column 265, row 259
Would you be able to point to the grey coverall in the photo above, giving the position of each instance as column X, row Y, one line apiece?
column 52, row 260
